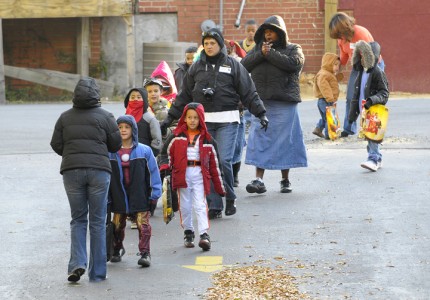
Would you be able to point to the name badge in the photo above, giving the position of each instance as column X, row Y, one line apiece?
column 225, row 69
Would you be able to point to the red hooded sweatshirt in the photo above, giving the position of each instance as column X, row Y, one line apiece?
column 174, row 154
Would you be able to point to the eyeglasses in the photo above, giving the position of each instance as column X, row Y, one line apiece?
column 192, row 105
column 152, row 81
column 212, row 34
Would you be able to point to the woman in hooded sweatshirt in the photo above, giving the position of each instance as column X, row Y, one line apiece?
column 83, row 136
column 275, row 65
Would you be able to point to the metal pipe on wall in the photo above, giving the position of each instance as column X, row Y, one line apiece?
column 239, row 15
column 221, row 17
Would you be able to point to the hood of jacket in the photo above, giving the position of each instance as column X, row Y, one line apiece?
column 328, row 61
column 144, row 94
column 370, row 52
column 128, row 119
column 163, row 72
column 277, row 24
column 86, row 94
column 182, row 126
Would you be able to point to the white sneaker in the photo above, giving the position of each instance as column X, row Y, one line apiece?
column 133, row 225
column 379, row 164
column 370, row 165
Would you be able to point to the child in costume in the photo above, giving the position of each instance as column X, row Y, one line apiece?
column 190, row 155
column 371, row 85
column 326, row 89
column 158, row 105
column 136, row 104
column 134, row 189
column 183, row 67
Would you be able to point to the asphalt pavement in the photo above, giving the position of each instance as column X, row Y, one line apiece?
column 344, row 232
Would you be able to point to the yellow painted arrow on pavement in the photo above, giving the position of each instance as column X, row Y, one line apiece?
column 206, row 264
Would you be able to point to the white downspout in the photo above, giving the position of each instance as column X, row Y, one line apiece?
column 239, row 15
column 221, row 17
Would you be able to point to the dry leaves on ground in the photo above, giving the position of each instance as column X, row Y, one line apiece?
column 253, row 282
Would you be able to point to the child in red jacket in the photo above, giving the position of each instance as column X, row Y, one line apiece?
column 190, row 155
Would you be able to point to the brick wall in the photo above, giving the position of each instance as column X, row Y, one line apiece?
column 46, row 44
column 304, row 20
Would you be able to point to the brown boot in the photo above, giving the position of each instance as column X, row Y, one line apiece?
column 318, row 131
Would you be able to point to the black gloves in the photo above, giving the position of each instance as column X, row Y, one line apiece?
column 368, row 103
column 165, row 124
column 152, row 206
column 264, row 121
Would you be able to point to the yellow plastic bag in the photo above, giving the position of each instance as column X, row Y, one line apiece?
column 166, row 198
column 333, row 122
column 374, row 123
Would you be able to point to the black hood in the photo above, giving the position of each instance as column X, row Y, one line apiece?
column 277, row 24
column 144, row 97
column 86, row 94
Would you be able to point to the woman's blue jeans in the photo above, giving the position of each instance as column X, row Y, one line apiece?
column 87, row 191
column 240, row 142
column 225, row 134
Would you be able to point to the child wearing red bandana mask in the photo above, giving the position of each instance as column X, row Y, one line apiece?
column 149, row 133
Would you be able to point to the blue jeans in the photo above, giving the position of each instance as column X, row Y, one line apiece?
column 350, row 128
column 247, row 117
column 87, row 191
column 347, row 127
column 225, row 135
column 322, row 123
column 240, row 142
column 373, row 151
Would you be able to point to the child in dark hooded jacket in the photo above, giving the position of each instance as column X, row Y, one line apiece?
column 134, row 189
column 191, row 156
column 136, row 104
column 372, row 86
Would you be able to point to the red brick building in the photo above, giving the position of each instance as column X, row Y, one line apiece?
column 50, row 43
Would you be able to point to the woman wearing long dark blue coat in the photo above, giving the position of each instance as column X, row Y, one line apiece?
column 275, row 65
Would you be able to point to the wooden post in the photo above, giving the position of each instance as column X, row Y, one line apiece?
column 131, row 53
column 2, row 83
column 330, row 8
column 83, row 47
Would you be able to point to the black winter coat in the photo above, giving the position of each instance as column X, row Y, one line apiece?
column 85, row 134
column 232, row 85
column 376, row 88
column 276, row 75
column 180, row 74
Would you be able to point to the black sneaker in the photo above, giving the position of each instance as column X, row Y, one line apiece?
column 256, row 186
column 145, row 259
column 214, row 214
column 230, row 207
column 117, row 254
column 344, row 134
column 189, row 239
column 76, row 275
column 235, row 181
column 205, row 242
column 285, row 186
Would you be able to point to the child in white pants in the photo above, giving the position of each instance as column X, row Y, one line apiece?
column 193, row 161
